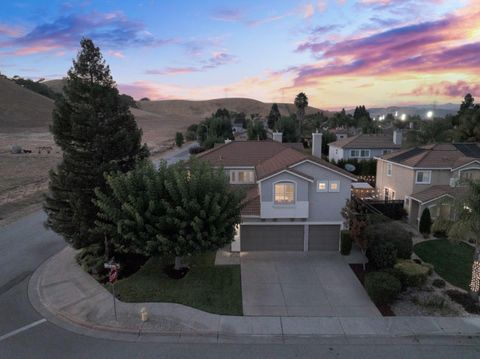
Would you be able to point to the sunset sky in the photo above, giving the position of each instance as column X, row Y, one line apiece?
column 342, row 53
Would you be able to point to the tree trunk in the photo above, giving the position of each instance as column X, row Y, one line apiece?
column 178, row 263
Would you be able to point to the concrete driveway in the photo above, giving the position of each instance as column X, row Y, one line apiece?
column 302, row 284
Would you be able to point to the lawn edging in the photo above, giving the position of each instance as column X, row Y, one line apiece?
column 68, row 297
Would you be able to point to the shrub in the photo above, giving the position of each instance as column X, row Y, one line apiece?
column 92, row 260
column 190, row 136
column 383, row 288
column 391, row 232
column 439, row 283
column 382, row 255
column 440, row 227
column 425, row 223
column 429, row 266
column 465, row 300
column 345, row 243
column 396, row 273
column 413, row 274
column 196, row 150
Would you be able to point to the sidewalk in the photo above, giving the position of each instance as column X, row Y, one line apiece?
column 65, row 295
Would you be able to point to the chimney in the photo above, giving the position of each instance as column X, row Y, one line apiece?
column 397, row 137
column 317, row 144
column 277, row 136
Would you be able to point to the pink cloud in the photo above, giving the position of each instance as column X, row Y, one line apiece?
column 139, row 89
column 440, row 45
column 446, row 88
column 117, row 54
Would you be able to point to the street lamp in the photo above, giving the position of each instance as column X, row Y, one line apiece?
column 403, row 117
column 430, row 114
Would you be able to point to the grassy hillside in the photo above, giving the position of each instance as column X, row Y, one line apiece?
column 198, row 110
column 55, row 85
column 22, row 109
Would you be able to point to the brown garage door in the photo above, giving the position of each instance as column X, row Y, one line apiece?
column 323, row 237
column 271, row 238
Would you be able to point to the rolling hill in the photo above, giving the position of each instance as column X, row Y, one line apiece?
column 200, row 109
column 22, row 109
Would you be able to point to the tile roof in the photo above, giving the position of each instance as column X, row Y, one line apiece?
column 268, row 157
column 444, row 155
column 242, row 153
column 366, row 141
column 251, row 203
column 433, row 192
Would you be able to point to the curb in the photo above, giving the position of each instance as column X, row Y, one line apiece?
column 231, row 329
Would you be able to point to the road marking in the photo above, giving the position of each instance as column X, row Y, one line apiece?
column 22, row 329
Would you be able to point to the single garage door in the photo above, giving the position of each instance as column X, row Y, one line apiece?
column 271, row 238
column 323, row 237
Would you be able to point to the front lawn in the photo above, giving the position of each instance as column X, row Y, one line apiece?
column 214, row 289
column 452, row 260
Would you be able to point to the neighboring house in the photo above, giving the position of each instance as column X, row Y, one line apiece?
column 293, row 199
column 427, row 177
column 340, row 133
column 364, row 146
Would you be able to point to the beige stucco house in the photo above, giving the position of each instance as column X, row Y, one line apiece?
column 427, row 177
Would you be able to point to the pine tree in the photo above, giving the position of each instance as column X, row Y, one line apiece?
column 273, row 116
column 97, row 134
column 179, row 139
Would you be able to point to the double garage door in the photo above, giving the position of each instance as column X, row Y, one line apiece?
column 289, row 237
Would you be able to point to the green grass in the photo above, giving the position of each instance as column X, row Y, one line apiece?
column 452, row 260
column 214, row 289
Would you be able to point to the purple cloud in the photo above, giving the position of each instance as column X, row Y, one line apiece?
column 216, row 60
column 111, row 30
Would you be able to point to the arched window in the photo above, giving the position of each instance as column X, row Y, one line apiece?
column 284, row 193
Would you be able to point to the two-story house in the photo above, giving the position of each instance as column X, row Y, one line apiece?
column 364, row 146
column 427, row 177
column 293, row 198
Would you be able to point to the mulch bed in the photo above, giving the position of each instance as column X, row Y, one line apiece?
column 384, row 309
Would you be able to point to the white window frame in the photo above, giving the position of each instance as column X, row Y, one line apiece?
column 423, row 181
column 389, row 169
column 235, row 176
column 330, row 186
column 360, row 153
column 294, row 193
column 325, row 182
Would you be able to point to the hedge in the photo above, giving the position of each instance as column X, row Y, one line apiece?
column 383, row 288
column 345, row 243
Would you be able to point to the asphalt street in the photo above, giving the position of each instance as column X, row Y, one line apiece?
column 25, row 244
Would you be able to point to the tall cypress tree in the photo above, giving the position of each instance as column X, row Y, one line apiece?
column 97, row 134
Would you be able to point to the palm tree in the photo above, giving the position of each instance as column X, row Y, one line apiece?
column 468, row 225
column 301, row 102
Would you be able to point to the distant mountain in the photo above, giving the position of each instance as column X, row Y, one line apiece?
column 420, row 110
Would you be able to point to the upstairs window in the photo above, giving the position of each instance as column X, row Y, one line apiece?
column 242, row 177
column 284, row 193
column 359, row 153
column 334, row 186
column 389, row 169
column 423, row 177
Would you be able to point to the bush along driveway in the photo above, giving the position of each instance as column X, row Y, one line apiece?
column 214, row 289
column 452, row 260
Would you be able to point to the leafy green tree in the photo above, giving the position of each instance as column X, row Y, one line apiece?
column 97, row 134
column 288, row 126
column 425, row 223
column 273, row 116
column 179, row 210
column 467, row 224
column 301, row 103
column 214, row 130
column 256, row 130
column 179, row 139
column 128, row 100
